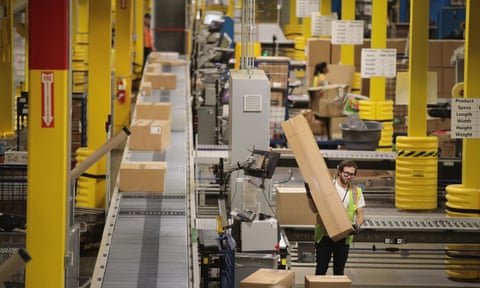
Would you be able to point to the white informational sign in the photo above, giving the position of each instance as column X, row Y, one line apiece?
column 347, row 32
column 305, row 7
column 378, row 62
column 322, row 25
column 465, row 118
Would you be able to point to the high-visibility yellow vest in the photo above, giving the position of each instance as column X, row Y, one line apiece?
column 320, row 231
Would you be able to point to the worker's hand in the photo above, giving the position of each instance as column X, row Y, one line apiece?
column 356, row 229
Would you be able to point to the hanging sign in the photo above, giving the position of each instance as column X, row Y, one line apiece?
column 378, row 62
column 347, row 32
column 465, row 118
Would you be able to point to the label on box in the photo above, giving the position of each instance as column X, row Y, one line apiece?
column 465, row 118
column 276, row 85
column 321, row 25
column 155, row 130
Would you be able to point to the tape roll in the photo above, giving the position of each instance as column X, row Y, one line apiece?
column 457, row 90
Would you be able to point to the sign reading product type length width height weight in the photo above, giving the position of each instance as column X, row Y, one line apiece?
column 465, row 118
column 47, row 99
column 378, row 62
column 347, row 32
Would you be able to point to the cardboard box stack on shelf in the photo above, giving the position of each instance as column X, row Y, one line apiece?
column 277, row 71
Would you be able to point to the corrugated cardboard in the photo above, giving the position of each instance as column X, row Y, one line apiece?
column 327, row 281
column 150, row 135
column 269, row 278
column 292, row 207
column 318, row 50
column 335, row 132
column 435, row 53
column 142, row 176
column 166, row 81
column 315, row 172
column 154, row 111
column 146, row 88
column 153, row 67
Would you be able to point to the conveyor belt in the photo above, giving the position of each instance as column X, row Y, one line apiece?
column 145, row 242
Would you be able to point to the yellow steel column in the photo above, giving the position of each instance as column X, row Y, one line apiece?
column 463, row 200
column 347, row 55
column 417, row 157
column 48, row 148
column 7, row 90
column 123, row 60
column 293, row 12
column 377, row 108
column 138, row 40
column 231, row 8
column 379, row 41
column 91, row 192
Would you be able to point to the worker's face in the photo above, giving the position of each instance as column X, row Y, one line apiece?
column 146, row 20
column 347, row 175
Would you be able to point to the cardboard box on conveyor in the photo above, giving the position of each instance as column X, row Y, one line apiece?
column 327, row 281
column 165, row 81
column 316, row 173
column 146, row 176
column 153, row 110
column 150, row 135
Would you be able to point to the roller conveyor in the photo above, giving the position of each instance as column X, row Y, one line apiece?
column 145, row 242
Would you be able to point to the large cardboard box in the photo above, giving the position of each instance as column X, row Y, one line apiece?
column 150, row 134
column 154, row 111
column 166, row 81
column 316, row 173
column 446, row 145
column 292, row 207
column 448, row 79
column 269, row 278
column 326, row 106
column 153, row 68
column 327, row 281
column 435, row 53
column 318, row 50
column 142, row 176
column 448, row 47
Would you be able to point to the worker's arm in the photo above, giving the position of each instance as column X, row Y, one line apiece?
column 360, row 217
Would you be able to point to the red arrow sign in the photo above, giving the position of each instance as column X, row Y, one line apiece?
column 47, row 100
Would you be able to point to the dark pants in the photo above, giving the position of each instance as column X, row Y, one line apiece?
column 324, row 251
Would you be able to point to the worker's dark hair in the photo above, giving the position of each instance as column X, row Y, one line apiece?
column 147, row 15
column 320, row 67
column 346, row 163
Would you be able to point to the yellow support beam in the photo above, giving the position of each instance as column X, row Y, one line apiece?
column 123, row 61
column 293, row 12
column 471, row 153
column 231, row 8
column 418, row 67
column 138, row 40
column 379, row 41
column 7, row 91
column 99, row 100
column 49, row 152
column 347, row 55
column 325, row 7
